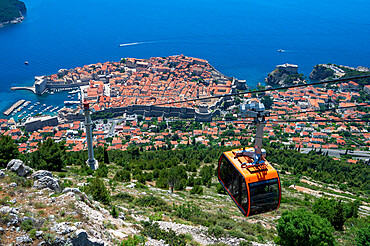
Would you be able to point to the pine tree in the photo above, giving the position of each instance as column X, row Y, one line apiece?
column 8, row 150
column 106, row 157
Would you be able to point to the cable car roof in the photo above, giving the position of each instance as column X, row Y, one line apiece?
column 251, row 173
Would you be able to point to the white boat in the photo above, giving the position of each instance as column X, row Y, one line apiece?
column 74, row 91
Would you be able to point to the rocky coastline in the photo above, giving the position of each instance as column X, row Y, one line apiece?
column 14, row 21
column 285, row 75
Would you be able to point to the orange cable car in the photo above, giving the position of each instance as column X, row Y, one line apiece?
column 251, row 181
column 255, row 189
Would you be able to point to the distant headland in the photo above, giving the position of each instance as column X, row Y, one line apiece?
column 11, row 12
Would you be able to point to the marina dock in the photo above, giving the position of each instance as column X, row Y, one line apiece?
column 13, row 107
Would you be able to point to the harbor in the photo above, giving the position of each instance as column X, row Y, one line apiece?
column 13, row 107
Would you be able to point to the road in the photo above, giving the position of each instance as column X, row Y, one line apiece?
column 362, row 155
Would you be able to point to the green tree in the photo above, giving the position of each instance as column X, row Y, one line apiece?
column 267, row 101
column 8, row 150
column 363, row 236
column 303, row 228
column 106, row 157
column 50, row 156
column 331, row 210
column 206, row 175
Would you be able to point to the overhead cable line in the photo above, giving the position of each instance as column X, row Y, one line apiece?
column 320, row 110
column 292, row 113
column 265, row 90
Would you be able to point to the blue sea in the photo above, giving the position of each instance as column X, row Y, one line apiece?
column 240, row 38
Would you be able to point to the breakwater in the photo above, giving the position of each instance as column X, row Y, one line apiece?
column 13, row 107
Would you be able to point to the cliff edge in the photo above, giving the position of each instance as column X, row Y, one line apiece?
column 321, row 72
column 285, row 75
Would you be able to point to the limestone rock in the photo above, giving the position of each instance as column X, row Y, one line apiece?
column 9, row 210
column 47, row 182
column 63, row 228
column 2, row 174
column 73, row 190
column 18, row 167
column 40, row 174
column 82, row 239
column 23, row 239
column 39, row 234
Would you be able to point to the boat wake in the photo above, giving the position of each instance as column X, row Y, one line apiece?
column 135, row 43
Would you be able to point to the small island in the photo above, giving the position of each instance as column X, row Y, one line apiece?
column 11, row 12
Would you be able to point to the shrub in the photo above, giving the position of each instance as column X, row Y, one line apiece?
column 62, row 175
column 149, row 201
column 102, row 171
column 27, row 225
column 220, row 189
column 216, row 231
column 33, row 233
column 188, row 211
column 152, row 230
column 197, row 189
column 114, row 212
column 123, row 197
column 133, row 241
column 141, row 186
column 226, row 224
column 99, row 192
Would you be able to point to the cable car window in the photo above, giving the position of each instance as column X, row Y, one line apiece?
column 264, row 196
column 234, row 182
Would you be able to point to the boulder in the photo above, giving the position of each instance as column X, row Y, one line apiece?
column 40, row 174
column 2, row 174
column 23, row 239
column 9, row 210
column 47, row 182
column 73, row 190
column 11, row 214
column 18, row 167
column 82, row 239
column 34, row 221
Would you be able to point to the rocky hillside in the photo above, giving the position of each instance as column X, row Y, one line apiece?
column 11, row 11
column 280, row 77
column 64, row 208
column 37, row 208
column 321, row 72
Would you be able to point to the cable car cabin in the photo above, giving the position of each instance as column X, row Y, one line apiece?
column 255, row 188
